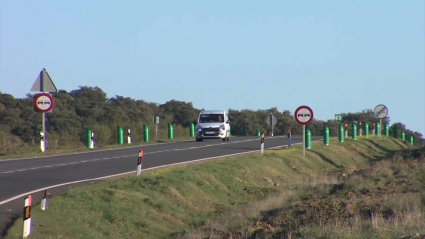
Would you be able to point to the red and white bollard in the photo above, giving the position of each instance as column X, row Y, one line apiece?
column 139, row 163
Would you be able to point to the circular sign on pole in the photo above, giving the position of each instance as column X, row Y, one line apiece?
column 381, row 111
column 43, row 102
column 303, row 115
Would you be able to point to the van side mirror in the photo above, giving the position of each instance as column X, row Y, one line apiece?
column 228, row 121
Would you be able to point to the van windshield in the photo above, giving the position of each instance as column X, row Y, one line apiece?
column 211, row 118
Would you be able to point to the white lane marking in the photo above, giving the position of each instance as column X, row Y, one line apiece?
column 116, row 175
column 95, row 150
column 91, row 160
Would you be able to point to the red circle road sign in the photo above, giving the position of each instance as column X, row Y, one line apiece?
column 43, row 102
column 303, row 115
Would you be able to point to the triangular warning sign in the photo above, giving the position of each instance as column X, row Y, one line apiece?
column 43, row 83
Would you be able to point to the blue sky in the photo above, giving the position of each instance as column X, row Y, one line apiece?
column 334, row 56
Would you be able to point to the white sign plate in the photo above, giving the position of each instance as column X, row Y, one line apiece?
column 381, row 111
column 43, row 83
column 338, row 117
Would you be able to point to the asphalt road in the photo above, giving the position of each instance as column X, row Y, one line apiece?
column 18, row 177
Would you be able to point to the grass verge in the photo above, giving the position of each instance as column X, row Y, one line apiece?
column 330, row 192
column 26, row 151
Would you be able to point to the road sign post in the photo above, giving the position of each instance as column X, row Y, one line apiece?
column 272, row 121
column 304, row 115
column 156, row 122
column 381, row 111
column 43, row 102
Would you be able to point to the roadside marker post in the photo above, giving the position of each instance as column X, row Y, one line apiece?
column 128, row 137
column 27, row 216
column 289, row 138
column 120, row 135
column 366, row 129
column 92, row 140
column 381, row 111
column 354, row 130
column 43, row 102
column 360, row 129
column 156, row 122
column 42, row 145
column 139, row 163
column 44, row 201
column 325, row 135
column 262, row 143
column 304, row 115
column 145, row 133
column 340, row 133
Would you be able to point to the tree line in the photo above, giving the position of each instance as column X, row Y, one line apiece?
column 89, row 107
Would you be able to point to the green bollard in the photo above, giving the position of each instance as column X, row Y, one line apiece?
column 170, row 131
column 340, row 133
column 366, row 130
column 258, row 133
column 145, row 133
column 307, row 138
column 411, row 139
column 395, row 132
column 377, row 129
column 243, row 131
column 120, row 135
column 387, row 130
column 325, row 135
column 192, row 130
column 403, row 136
column 354, row 130
column 88, row 138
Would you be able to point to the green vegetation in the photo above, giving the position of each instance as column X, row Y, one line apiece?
column 357, row 189
column 89, row 107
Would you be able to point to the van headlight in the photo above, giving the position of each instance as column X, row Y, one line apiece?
column 222, row 127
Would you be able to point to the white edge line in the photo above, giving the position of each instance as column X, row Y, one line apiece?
column 116, row 175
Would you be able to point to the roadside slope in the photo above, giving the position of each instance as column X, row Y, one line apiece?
column 166, row 202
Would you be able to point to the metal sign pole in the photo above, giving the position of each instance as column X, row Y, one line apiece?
column 156, row 132
column 380, row 128
column 303, row 140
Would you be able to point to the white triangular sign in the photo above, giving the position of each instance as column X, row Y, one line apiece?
column 43, row 83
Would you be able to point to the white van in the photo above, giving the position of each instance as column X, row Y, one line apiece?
column 213, row 124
